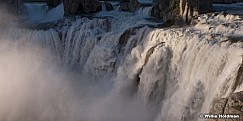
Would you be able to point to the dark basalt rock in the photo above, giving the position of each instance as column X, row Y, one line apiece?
column 171, row 10
column 130, row 6
column 74, row 7
column 53, row 3
column 168, row 10
column 108, row 6
column 205, row 6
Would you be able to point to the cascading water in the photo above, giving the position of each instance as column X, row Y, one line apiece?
column 146, row 11
column 40, row 13
column 117, row 67
column 145, row 1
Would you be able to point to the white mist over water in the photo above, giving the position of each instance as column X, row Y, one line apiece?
column 124, row 70
column 33, row 87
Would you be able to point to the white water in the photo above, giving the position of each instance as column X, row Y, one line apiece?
column 40, row 13
column 124, row 70
column 145, row 1
column 145, row 11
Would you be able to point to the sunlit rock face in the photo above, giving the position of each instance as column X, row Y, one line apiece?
column 72, row 7
column 230, row 105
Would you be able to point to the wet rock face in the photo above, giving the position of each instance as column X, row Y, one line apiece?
column 191, row 8
column 230, row 105
column 53, row 3
column 130, row 6
column 108, row 6
column 186, row 9
column 166, row 9
column 72, row 7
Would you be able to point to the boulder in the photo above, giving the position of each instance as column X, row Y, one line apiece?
column 167, row 10
column 74, row 7
column 53, row 3
column 171, row 10
column 231, row 105
column 108, row 6
column 130, row 6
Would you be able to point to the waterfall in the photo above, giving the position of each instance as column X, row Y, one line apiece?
column 145, row 11
column 40, row 13
column 46, row 39
column 118, row 67
column 180, row 70
column 103, row 6
column 146, row 1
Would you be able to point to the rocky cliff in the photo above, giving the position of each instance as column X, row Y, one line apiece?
column 185, row 9
column 166, row 9
column 230, row 105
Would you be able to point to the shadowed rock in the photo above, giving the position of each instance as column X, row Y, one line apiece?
column 130, row 6
column 53, row 3
column 108, row 6
column 74, row 7
column 171, row 10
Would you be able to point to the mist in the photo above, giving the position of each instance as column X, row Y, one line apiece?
column 35, row 87
column 120, row 68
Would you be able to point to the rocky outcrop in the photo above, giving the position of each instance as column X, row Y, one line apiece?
column 191, row 8
column 170, row 10
column 166, row 9
column 108, row 6
column 72, row 7
column 53, row 3
column 130, row 6
column 230, row 105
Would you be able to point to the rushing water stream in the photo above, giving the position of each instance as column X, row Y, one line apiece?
column 117, row 66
